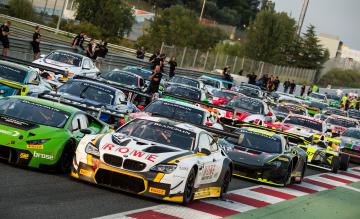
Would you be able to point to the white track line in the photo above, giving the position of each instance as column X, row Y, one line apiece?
column 236, row 206
column 184, row 212
column 259, row 196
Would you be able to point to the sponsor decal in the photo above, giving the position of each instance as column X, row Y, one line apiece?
column 43, row 156
column 11, row 133
column 157, row 191
column 35, row 146
column 208, row 172
column 24, row 156
column 129, row 152
column 85, row 172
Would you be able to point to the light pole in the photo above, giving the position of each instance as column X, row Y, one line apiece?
column 302, row 16
column 202, row 10
column 60, row 17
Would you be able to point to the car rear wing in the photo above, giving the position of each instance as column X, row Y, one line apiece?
column 93, row 110
column 23, row 89
column 33, row 65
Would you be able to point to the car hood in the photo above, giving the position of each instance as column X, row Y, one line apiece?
column 14, row 131
column 146, row 152
column 54, row 64
column 250, row 157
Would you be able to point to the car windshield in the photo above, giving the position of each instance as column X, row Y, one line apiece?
column 32, row 112
column 67, row 58
column 250, row 105
column 298, row 121
column 121, row 78
column 318, row 105
column 12, row 74
column 335, row 111
column 257, row 141
column 354, row 114
column 318, row 96
column 138, row 71
column 159, row 133
column 210, row 82
column 352, row 133
column 225, row 95
column 248, row 91
column 341, row 122
column 333, row 97
column 187, row 81
column 176, row 111
column 188, row 92
column 88, row 91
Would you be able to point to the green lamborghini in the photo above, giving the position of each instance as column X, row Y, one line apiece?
column 42, row 134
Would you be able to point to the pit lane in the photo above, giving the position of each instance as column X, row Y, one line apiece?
column 30, row 193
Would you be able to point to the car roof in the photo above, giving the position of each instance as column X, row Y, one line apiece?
column 72, row 53
column 182, row 104
column 179, row 124
column 15, row 65
column 47, row 103
column 97, row 84
column 306, row 117
column 116, row 70
column 261, row 132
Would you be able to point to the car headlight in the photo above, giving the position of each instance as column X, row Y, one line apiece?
column 37, row 142
column 92, row 149
column 164, row 168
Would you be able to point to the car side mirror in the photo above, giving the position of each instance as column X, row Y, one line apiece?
column 42, row 56
column 205, row 151
column 86, row 131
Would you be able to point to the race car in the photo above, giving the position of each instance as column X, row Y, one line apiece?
column 18, row 79
column 317, row 97
column 215, row 83
column 264, row 156
column 337, row 125
column 72, row 63
column 180, row 111
column 105, row 102
column 185, row 81
column 42, row 134
column 222, row 97
column 155, row 157
column 314, row 107
column 350, row 144
column 281, row 111
column 179, row 90
column 249, row 91
column 247, row 110
column 334, row 100
column 328, row 111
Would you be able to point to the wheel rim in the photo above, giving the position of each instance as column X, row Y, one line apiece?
column 190, row 185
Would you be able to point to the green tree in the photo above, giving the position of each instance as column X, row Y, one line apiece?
column 111, row 15
column 179, row 26
column 269, row 36
column 341, row 78
column 21, row 9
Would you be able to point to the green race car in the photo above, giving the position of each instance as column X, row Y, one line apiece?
column 42, row 134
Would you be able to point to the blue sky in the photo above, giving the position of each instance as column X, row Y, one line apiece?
column 336, row 17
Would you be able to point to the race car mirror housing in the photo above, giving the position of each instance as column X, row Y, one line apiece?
column 205, row 151
column 86, row 131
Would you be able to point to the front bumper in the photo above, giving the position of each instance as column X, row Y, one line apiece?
column 140, row 183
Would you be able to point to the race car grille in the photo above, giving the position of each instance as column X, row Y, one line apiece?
column 133, row 165
column 113, row 160
column 119, row 181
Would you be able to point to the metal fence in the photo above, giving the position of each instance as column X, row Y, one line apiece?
column 208, row 61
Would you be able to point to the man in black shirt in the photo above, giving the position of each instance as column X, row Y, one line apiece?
column 252, row 78
column 140, row 53
column 101, row 53
column 276, row 83
column 155, row 60
column 292, row 87
column 35, row 43
column 173, row 65
column 78, row 42
column 4, row 33
column 286, row 85
column 155, row 79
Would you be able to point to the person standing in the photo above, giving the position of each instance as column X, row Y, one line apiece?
column 101, row 54
column 276, row 83
column 140, row 53
column 292, row 87
column 90, row 49
column 315, row 89
column 286, row 85
column 4, row 37
column 173, row 65
column 35, row 43
column 227, row 76
column 154, row 85
column 155, row 60
column 252, row 78
column 302, row 92
column 78, row 42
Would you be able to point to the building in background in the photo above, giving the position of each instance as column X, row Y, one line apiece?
column 332, row 43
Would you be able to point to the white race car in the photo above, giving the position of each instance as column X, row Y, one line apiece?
column 155, row 157
column 72, row 63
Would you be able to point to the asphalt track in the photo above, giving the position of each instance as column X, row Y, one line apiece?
column 30, row 193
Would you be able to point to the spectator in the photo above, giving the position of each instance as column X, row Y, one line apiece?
column 309, row 91
column 276, row 83
column 315, row 89
column 35, row 43
column 270, row 83
column 264, row 82
column 302, row 90
column 292, row 87
column 252, row 78
column 140, row 53
column 4, row 37
column 155, row 79
column 90, row 49
column 241, row 72
column 155, row 60
column 78, row 42
column 286, row 85
column 162, row 62
column 227, row 76
column 173, row 65
column 101, row 54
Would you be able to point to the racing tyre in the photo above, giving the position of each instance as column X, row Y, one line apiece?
column 287, row 179
column 189, row 190
column 64, row 163
column 226, row 182
column 335, row 164
column 344, row 162
column 302, row 174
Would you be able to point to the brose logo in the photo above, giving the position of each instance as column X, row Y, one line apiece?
column 43, row 156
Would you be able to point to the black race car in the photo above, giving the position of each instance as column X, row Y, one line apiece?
column 265, row 157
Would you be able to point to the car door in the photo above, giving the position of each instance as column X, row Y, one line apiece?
column 209, row 170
